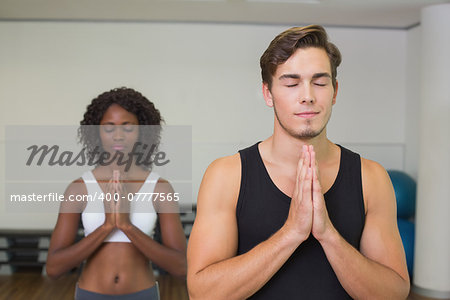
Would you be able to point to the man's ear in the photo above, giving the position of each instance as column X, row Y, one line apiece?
column 335, row 92
column 267, row 94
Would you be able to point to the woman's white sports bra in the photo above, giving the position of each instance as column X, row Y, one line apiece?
column 142, row 212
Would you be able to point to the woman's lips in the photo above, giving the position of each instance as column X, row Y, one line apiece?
column 118, row 147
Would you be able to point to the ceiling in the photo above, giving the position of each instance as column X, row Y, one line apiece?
column 354, row 13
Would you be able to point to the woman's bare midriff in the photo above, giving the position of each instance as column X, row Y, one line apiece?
column 116, row 268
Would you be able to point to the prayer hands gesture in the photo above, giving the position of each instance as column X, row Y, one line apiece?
column 308, row 213
column 117, row 209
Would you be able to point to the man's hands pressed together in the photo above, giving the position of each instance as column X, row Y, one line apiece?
column 321, row 221
column 308, row 213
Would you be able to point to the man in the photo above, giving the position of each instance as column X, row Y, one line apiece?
column 297, row 216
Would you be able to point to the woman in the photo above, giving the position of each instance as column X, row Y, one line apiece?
column 117, row 245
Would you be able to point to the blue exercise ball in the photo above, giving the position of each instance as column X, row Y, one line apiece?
column 405, row 193
column 407, row 232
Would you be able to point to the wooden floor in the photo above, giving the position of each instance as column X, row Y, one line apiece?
column 413, row 296
column 32, row 286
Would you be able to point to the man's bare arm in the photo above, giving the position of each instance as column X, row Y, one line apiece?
column 214, row 270
column 379, row 270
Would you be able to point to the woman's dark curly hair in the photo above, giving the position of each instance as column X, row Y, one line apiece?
column 132, row 101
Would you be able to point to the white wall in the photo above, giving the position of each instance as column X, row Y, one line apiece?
column 369, row 116
column 412, row 103
column 432, row 239
column 204, row 75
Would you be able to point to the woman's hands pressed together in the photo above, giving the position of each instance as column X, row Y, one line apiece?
column 116, row 204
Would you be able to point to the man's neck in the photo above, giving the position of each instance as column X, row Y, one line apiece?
column 287, row 149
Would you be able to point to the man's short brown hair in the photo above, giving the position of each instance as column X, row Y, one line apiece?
column 287, row 42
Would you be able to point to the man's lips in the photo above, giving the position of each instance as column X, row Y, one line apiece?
column 307, row 114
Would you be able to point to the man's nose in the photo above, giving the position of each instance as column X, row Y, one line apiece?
column 307, row 96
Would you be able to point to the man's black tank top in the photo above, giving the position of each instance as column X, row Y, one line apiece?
column 262, row 210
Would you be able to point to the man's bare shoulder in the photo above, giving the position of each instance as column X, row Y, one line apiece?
column 221, row 182
column 226, row 169
column 377, row 186
column 225, row 165
column 214, row 236
column 373, row 171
